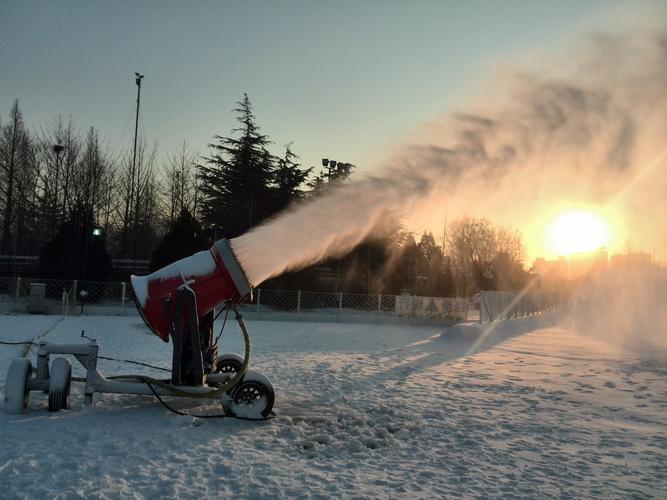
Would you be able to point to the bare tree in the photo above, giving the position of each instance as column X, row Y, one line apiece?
column 483, row 257
column 138, row 191
column 90, row 181
column 15, row 156
column 471, row 247
column 57, row 169
column 27, row 233
column 510, row 242
column 180, row 183
column 471, row 240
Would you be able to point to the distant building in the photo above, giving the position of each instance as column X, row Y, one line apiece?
column 551, row 273
column 554, row 268
column 632, row 260
column 578, row 265
column 585, row 263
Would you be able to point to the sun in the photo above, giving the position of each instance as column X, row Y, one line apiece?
column 578, row 231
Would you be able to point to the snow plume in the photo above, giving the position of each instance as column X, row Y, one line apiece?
column 625, row 308
column 587, row 130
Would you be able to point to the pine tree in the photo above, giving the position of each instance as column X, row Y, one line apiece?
column 236, row 179
column 185, row 237
column 74, row 252
column 288, row 179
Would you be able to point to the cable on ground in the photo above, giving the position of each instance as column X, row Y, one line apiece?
column 218, row 415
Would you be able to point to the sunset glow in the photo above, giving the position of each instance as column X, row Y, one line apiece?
column 578, row 231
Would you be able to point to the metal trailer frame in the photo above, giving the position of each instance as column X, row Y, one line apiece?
column 197, row 370
column 87, row 355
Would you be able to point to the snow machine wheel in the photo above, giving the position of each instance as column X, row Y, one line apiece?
column 59, row 384
column 17, row 392
column 229, row 363
column 253, row 398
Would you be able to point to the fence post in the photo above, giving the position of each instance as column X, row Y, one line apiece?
column 379, row 304
column 259, row 296
column 483, row 310
column 298, row 302
column 63, row 300
column 74, row 294
column 340, row 306
column 122, row 297
column 18, row 289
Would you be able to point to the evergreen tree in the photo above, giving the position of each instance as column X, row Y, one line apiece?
column 430, row 266
column 236, row 179
column 185, row 237
column 288, row 179
column 74, row 252
column 405, row 277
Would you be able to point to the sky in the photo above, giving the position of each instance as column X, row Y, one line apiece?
column 342, row 79
column 345, row 80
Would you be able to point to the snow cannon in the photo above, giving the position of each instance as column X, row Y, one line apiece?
column 215, row 276
column 177, row 303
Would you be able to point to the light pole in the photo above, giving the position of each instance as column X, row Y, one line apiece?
column 137, row 80
column 336, row 169
column 330, row 165
column 96, row 232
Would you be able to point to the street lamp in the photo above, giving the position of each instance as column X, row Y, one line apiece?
column 337, row 169
column 331, row 166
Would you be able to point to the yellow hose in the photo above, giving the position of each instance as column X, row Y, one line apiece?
column 200, row 395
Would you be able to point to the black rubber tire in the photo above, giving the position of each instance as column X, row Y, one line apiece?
column 59, row 384
column 16, row 386
column 249, row 390
column 228, row 363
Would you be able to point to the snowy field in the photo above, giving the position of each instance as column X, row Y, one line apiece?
column 534, row 408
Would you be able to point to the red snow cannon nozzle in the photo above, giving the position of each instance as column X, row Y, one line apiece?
column 215, row 276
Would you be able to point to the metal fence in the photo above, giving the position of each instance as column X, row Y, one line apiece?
column 496, row 306
column 64, row 296
column 326, row 305
column 115, row 298
column 69, row 297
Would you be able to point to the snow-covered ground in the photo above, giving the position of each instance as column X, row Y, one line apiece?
column 528, row 409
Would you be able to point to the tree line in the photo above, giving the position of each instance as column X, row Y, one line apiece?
column 75, row 202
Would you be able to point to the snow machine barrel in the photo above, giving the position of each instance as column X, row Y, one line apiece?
column 215, row 276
